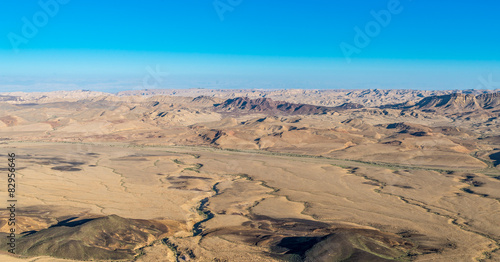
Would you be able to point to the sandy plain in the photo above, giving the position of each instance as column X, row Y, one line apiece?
column 167, row 184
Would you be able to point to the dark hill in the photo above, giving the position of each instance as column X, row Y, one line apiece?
column 489, row 101
column 269, row 106
column 456, row 102
column 110, row 237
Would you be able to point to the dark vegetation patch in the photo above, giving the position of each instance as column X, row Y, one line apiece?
column 496, row 158
column 60, row 164
column 195, row 168
column 403, row 186
column 467, row 190
column 92, row 154
column 193, row 177
column 27, row 104
column 393, row 143
column 469, row 179
column 177, row 161
column 205, row 213
column 66, row 168
column 421, row 133
column 470, row 191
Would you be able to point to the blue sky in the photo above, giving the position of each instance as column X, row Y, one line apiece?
column 113, row 45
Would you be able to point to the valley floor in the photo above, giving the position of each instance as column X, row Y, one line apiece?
column 207, row 204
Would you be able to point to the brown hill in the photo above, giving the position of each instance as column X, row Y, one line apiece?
column 110, row 237
column 489, row 101
column 409, row 128
column 330, row 97
column 269, row 106
column 456, row 102
column 350, row 106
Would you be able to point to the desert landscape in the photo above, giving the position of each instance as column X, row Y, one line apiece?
column 253, row 175
column 249, row 131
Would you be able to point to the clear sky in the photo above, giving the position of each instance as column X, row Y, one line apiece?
column 115, row 45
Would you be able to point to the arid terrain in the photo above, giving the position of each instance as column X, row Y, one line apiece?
column 253, row 175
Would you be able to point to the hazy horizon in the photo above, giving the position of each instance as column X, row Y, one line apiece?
column 70, row 45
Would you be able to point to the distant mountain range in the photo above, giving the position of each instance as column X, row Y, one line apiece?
column 453, row 102
column 286, row 102
column 328, row 98
column 268, row 105
column 450, row 103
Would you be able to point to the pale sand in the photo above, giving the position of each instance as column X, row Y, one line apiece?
column 165, row 183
